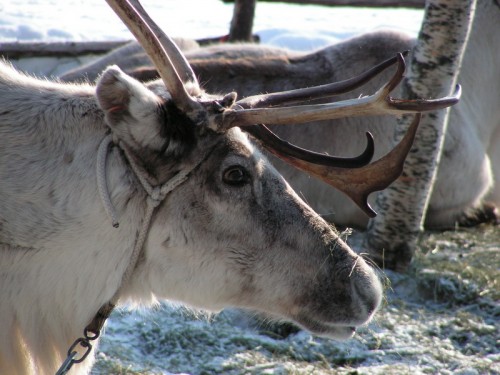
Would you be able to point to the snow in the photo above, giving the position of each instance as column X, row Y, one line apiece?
column 299, row 27
column 55, row 20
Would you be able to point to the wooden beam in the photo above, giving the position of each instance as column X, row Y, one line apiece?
column 353, row 3
column 16, row 50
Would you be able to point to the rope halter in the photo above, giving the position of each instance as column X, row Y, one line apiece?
column 155, row 195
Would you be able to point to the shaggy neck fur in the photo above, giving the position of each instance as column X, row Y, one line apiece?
column 62, row 127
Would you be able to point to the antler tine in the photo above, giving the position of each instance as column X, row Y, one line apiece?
column 379, row 103
column 359, row 183
column 321, row 91
column 415, row 105
column 178, row 59
column 272, row 142
column 136, row 20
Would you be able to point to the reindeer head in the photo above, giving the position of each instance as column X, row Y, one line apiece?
column 245, row 238
column 352, row 176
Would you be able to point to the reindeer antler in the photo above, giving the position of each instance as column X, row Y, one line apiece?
column 283, row 148
column 353, row 176
column 357, row 182
column 317, row 92
column 360, row 182
column 166, row 56
column 379, row 103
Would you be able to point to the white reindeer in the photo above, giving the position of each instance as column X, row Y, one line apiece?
column 200, row 215
column 467, row 189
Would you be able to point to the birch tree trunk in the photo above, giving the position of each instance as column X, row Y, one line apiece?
column 392, row 236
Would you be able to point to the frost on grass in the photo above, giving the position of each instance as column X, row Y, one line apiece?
column 442, row 317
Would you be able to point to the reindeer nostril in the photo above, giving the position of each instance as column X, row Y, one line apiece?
column 367, row 289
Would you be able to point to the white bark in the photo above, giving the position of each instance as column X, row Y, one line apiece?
column 433, row 71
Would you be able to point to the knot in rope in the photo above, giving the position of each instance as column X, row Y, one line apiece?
column 156, row 196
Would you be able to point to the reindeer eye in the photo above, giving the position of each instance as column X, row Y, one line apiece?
column 236, row 175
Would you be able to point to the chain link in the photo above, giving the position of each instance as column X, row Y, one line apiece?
column 83, row 342
column 66, row 366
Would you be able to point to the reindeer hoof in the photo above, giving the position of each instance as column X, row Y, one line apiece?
column 487, row 213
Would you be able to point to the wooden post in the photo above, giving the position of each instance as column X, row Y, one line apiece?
column 14, row 50
column 242, row 22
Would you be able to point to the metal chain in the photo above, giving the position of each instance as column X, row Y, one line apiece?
column 155, row 195
column 83, row 342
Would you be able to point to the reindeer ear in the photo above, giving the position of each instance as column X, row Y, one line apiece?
column 133, row 112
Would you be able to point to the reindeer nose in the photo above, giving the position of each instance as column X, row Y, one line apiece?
column 368, row 290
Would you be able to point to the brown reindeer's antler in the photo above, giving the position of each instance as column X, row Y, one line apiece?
column 353, row 176
column 356, row 181
column 317, row 92
column 379, row 103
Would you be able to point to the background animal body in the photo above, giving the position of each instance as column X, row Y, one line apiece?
column 471, row 146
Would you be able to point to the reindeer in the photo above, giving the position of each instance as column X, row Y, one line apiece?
column 467, row 190
column 127, row 192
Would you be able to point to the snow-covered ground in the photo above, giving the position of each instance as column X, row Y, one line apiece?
column 440, row 318
column 433, row 322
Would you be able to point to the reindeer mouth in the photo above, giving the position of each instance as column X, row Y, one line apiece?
column 336, row 331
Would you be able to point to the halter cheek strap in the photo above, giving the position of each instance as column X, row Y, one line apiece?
column 155, row 195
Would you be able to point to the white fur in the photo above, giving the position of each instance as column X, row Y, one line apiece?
column 210, row 244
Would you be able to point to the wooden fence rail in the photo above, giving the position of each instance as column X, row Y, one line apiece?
column 16, row 50
column 353, row 3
